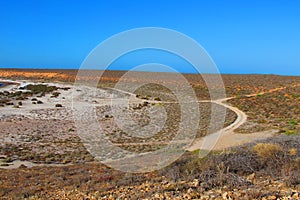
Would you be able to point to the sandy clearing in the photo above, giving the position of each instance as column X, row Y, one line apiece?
column 27, row 107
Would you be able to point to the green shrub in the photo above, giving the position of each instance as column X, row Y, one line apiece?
column 40, row 88
column 290, row 132
column 55, row 94
column 157, row 99
column 293, row 122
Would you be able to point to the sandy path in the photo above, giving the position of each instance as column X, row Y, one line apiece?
column 271, row 90
column 17, row 163
column 227, row 136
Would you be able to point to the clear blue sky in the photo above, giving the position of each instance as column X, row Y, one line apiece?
column 242, row 36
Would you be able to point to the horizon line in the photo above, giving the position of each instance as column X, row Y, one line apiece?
column 124, row 70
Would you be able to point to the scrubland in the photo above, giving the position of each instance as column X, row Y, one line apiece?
column 264, row 169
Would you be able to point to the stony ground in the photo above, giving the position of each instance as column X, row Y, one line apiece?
column 264, row 170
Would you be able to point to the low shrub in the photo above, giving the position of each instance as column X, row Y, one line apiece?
column 290, row 132
column 58, row 105
column 268, row 151
column 40, row 88
column 55, row 94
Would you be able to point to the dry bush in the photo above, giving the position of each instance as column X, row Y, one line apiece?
column 293, row 178
column 268, row 151
column 240, row 161
column 293, row 151
column 274, row 158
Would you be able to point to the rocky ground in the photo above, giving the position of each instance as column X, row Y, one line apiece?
column 264, row 170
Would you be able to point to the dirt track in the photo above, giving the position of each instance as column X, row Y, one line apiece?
column 220, row 140
column 226, row 137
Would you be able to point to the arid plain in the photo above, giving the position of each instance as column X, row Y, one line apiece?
column 42, row 156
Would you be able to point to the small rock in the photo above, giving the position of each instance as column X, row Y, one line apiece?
column 295, row 195
column 22, row 166
column 225, row 195
column 251, row 177
column 204, row 197
column 196, row 182
column 272, row 197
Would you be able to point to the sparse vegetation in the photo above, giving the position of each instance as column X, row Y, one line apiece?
column 267, row 169
column 276, row 110
column 34, row 91
column 40, row 88
column 239, row 173
column 55, row 94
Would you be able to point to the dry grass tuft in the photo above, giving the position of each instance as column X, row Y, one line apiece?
column 267, row 151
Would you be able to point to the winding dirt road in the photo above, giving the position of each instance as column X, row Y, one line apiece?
column 226, row 137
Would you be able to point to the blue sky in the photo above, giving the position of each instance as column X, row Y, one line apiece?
column 257, row 36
